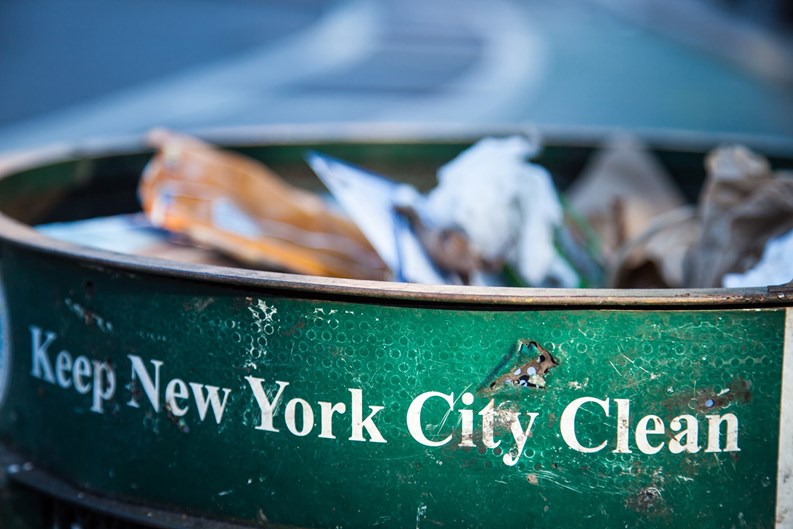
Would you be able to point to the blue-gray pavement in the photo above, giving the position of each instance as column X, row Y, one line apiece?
column 603, row 71
column 58, row 53
column 86, row 70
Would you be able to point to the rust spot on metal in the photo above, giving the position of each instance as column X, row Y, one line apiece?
column 648, row 499
column 738, row 390
column 710, row 399
column 179, row 422
column 529, row 370
column 532, row 478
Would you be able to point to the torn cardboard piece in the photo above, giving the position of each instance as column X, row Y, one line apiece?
column 241, row 208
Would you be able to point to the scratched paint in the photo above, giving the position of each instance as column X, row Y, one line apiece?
column 264, row 322
column 383, row 415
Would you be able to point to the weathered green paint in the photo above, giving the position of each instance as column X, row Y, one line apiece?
column 664, row 362
column 663, row 353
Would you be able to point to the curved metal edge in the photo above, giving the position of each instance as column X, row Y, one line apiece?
column 384, row 292
column 24, row 236
column 21, row 472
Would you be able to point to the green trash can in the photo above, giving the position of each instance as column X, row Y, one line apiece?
column 146, row 392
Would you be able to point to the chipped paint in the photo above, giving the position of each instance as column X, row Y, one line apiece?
column 262, row 313
column 533, row 364
column 646, row 500
column 88, row 316
column 574, row 384
column 504, row 444
column 200, row 304
column 421, row 514
column 264, row 323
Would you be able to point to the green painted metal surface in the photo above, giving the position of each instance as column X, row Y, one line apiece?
column 390, row 414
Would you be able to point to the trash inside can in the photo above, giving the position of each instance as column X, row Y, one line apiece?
column 148, row 391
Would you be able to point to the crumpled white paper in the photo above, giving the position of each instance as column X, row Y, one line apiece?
column 775, row 267
column 507, row 206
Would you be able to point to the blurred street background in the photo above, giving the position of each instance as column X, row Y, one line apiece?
column 89, row 69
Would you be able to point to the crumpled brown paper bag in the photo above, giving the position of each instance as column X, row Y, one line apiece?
column 621, row 193
column 742, row 206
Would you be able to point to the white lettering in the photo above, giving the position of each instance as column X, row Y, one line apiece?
column 415, row 426
column 102, row 393
column 150, row 388
column 99, row 379
column 488, row 413
column 176, row 389
column 212, row 398
column 307, row 419
column 691, row 434
column 567, row 424
column 326, row 411
column 266, row 407
column 520, row 435
column 63, row 368
column 41, row 363
column 714, row 433
column 359, row 424
column 643, row 429
column 70, row 371
column 623, row 426
column 467, row 422
column 82, row 368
